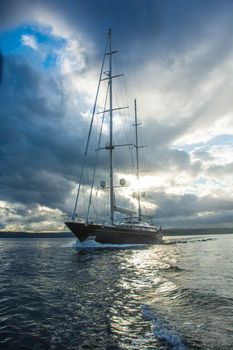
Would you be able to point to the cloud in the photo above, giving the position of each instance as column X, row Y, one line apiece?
column 189, row 210
column 20, row 217
column 29, row 40
column 182, row 79
column 40, row 148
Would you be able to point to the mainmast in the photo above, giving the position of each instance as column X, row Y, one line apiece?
column 137, row 160
column 111, row 147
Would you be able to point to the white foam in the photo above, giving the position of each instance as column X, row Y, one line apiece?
column 92, row 244
column 163, row 331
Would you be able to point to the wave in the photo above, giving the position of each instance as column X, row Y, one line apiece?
column 172, row 268
column 184, row 241
column 206, row 299
column 162, row 330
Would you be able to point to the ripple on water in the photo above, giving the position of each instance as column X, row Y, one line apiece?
column 55, row 297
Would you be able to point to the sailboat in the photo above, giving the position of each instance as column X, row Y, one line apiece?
column 134, row 228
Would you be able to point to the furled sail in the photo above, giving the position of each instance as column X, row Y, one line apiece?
column 124, row 211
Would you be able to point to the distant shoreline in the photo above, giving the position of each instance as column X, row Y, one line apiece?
column 168, row 232
column 11, row 234
column 197, row 231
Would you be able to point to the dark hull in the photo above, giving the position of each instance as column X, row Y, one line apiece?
column 114, row 234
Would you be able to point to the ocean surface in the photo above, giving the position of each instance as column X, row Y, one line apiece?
column 56, row 294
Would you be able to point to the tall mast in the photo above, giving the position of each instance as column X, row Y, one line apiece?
column 111, row 147
column 137, row 160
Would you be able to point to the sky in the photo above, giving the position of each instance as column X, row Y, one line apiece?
column 177, row 57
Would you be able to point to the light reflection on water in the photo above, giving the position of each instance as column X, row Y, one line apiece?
column 57, row 297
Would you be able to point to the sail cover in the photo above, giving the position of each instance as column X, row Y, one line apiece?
column 124, row 211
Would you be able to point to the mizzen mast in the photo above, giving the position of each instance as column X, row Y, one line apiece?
column 111, row 147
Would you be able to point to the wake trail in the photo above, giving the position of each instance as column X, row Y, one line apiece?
column 162, row 330
column 92, row 244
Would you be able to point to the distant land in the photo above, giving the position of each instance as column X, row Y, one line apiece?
column 197, row 231
column 67, row 234
column 20, row 234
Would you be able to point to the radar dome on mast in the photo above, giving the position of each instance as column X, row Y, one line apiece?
column 102, row 184
column 122, row 182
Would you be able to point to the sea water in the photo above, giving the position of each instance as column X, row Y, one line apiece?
column 58, row 294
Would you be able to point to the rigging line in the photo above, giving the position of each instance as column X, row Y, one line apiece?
column 148, row 213
column 97, row 154
column 119, row 67
column 144, row 154
column 96, row 214
column 122, row 125
column 131, row 120
column 115, row 92
column 126, row 130
column 131, row 153
column 123, row 87
column 88, row 181
column 84, row 201
column 127, row 98
column 90, row 129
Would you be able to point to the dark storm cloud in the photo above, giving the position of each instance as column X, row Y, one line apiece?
column 219, row 219
column 41, row 152
column 157, row 31
column 148, row 20
column 35, row 142
column 29, row 185
column 12, row 11
column 146, row 24
column 159, row 155
column 189, row 210
column 189, row 204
